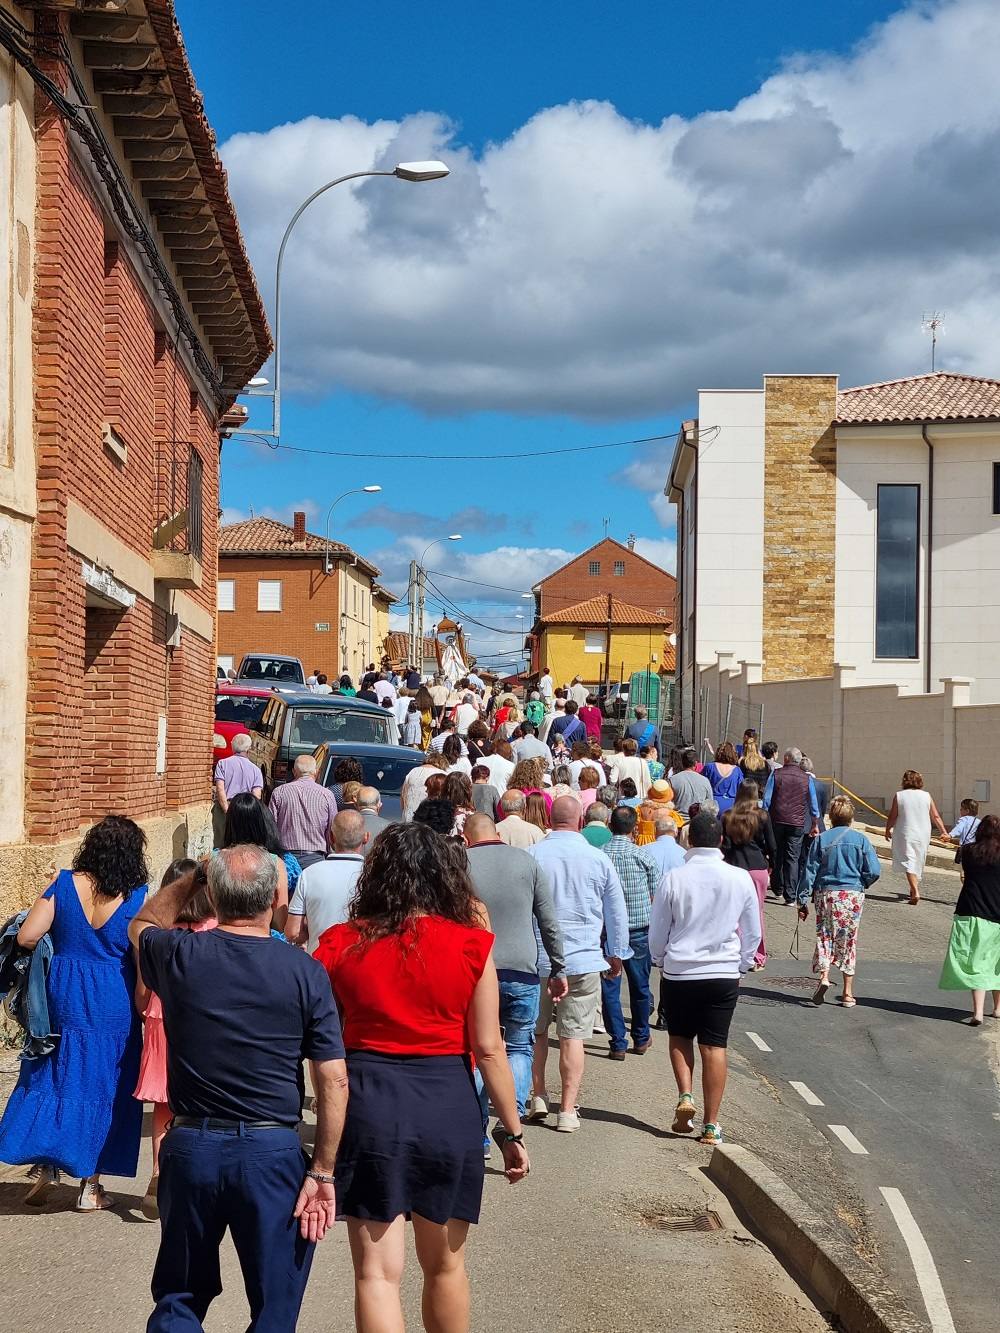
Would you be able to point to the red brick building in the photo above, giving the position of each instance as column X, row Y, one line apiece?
column 608, row 567
column 285, row 590
column 145, row 320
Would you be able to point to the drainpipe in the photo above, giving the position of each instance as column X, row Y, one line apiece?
column 929, row 564
column 689, row 436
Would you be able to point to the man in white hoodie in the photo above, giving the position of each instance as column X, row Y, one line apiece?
column 704, row 929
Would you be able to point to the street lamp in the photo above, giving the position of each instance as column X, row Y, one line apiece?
column 405, row 171
column 418, row 586
column 360, row 490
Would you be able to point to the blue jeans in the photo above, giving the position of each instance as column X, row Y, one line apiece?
column 246, row 1180
column 518, row 1015
column 640, row 997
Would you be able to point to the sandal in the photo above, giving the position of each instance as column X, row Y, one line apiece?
column 149, row 1206
column 819, row 994
column 847, row 1001
column 42, row 1177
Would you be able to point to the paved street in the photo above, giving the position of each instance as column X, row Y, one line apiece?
column 915, row 1089
column 575, row 1249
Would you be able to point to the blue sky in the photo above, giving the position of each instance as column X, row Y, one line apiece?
column 639, row 206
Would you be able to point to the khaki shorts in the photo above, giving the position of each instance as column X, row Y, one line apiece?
column 575, row 1013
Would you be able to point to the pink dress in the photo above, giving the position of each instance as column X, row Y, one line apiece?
column 152, row 1082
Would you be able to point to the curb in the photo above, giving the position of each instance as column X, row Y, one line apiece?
column 810, row 1247
column 938, row 858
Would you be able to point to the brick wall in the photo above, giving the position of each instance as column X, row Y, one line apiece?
column 308, row 596
column 800, row 456
column 100, row 680
column 642, row 584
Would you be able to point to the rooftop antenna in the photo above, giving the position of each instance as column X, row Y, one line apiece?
column 606, row 522
column 932, row 323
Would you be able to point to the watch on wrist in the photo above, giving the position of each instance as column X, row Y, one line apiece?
column 320, row 1176
column 512, row 1138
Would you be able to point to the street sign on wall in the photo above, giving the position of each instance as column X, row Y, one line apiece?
column 322, row 626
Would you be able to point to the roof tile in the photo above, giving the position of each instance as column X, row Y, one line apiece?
column 941, row 396
column 594, row 611
column 266, row 536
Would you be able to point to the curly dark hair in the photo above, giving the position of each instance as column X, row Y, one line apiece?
column 452, row 749
column 348, row 770
column 113, row 854
column 985, row 850
column 249, row 820
column 411, row 872
column 458, row 790
column 436, row 814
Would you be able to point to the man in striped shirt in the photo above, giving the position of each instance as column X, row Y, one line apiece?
column 640, row 876
column 303, row 812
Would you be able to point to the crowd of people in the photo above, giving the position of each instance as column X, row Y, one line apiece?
column 417, row 967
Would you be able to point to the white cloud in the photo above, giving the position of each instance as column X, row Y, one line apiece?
column 661, row 550
column 311, row 508
column 599, row 266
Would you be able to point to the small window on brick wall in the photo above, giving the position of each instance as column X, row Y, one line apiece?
column 269, row 594
column 227, row 595
column 619, row 568
column 594, row 567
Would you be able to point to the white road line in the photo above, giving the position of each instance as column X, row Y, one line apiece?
column 758, row 1041
column 923, row 1262
column 807, row 1094
column 848, row 1140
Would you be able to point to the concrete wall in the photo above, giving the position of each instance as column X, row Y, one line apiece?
column 865, row 736
column 17, row 448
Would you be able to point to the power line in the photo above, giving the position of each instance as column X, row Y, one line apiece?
column 399, row 457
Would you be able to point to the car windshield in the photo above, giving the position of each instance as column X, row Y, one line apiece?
column 270, row 669
column 313, row 726
column 240, row 708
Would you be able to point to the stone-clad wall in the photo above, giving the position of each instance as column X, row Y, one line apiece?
column 799, row 524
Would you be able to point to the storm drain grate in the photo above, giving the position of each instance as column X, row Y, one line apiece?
column 707, row 1221
column 796, row 983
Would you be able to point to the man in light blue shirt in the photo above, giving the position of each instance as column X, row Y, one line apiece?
column 590, row 907
column 668, row 855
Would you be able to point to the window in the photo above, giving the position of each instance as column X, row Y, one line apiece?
column 996, row 488
column 593, row 641
column 269, row 594
column 195, row 487
column 619, row 568
column 226, row 598
column 897, row 571
column 242, row 708
column 225, row 663
column 595, row 567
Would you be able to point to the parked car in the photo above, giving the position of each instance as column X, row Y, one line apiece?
column 615, row 702
column 238, row 708
column 298, row 723
column 273, row 669
column 384, row 767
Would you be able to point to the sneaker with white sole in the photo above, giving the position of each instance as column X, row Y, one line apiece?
column 42, row 1177
column 538, row 1109
column 711, row 1133
column 567, row 1122
column 684, row 1115
column 93, row 1198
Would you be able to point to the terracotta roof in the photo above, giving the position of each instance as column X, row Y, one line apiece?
column 942, row 396
column 594, row 611
column 266, row 536
column 379, row 591
column 668, row 660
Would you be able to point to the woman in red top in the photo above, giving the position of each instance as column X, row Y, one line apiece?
column 413, row 974
column 590, row 716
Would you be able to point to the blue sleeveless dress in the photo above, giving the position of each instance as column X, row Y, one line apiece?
column 74, row 1109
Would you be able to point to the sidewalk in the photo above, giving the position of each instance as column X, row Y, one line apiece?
column 577, row 1248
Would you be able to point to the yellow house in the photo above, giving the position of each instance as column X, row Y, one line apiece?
column 382, row 599
column 600, row 640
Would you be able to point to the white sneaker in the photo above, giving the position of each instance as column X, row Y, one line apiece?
column 538, row 1109
column 599, row 1029
column 568, row 1122
column 93, row 1198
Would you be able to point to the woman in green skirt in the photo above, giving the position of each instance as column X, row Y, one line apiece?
column 973, row 959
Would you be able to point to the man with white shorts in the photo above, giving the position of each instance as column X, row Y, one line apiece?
column 590, row 906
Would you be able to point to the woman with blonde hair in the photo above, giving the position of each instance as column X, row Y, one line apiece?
column 752, row 763
column 536, row 811
column 909, row 826
column 842, row 864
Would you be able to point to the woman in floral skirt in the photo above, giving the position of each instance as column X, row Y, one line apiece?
column 841, row 865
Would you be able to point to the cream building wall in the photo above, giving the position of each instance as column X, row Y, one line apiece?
column 357, row 630
column 17, row 455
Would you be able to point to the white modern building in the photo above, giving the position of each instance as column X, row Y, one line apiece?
column 857, row 528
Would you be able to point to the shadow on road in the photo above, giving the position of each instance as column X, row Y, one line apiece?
column 940, row 1012
column 626, row 1121
column 61, row 1199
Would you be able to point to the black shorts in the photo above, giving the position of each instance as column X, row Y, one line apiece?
column 701, row 1008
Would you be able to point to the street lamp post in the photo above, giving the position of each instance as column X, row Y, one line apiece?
column 417, row 590
column 360, row 490
column 406, row 171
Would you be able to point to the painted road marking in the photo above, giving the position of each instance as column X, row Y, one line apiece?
column 758, row 1041
column 807, row 1094
column 848, row 1140
column 923, row 1262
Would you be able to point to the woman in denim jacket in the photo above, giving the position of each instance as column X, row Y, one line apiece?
column 841, row 865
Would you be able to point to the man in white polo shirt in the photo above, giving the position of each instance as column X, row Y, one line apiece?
column 325, row 888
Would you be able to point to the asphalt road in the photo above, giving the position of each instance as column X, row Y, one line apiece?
column 908, row 1082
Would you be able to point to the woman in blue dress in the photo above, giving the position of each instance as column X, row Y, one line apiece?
column 73, row 1111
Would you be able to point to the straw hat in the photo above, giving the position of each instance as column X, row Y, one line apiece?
column 661, row 791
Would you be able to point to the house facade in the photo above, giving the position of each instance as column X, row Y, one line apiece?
column 285, row 590
column 822, row 528
column 603, row 615
column 131, row 320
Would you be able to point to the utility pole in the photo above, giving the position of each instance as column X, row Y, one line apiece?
column 607, row 650
column 411, row 596
column 421, row 604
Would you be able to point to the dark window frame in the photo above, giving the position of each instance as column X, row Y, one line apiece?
column 996, row 488
column 619, row 569
column 914, row 655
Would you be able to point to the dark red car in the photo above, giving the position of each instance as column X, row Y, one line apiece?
column 238, row 708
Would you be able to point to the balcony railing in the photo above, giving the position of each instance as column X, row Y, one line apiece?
column 178, row 541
